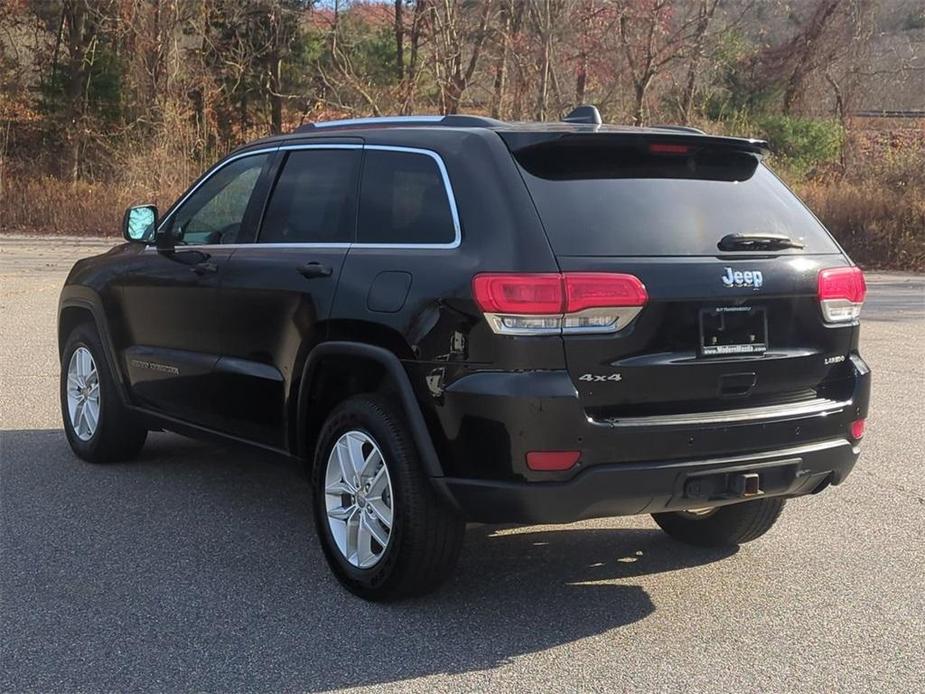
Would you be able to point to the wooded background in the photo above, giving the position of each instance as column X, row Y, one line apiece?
column 104, row 103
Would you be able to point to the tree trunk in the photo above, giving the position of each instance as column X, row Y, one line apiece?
column 704, row 16
column 452, row 95
column 399, row 40
column 520, row 84
column 417, row 26
column 546, row 33
column 581, row 79
column 639, row 100
column 497, row 94
column 276, row 99
column 78, row 40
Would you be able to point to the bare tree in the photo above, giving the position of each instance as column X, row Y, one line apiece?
column 452, row 38
column 823, row 38
column 418, row 27
column 652, row 39
column 545, row 16
column 77, row 35
column 705, row 11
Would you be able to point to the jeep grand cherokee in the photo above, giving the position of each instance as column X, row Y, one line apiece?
column 451, row 319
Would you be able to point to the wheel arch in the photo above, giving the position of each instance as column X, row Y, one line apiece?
column 79, row 304
column 380, row 368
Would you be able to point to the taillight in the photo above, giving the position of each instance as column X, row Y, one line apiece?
column 841, row 293
column 552, row 303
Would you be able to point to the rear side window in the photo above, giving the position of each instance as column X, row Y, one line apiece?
column 403, row 200
column 312, row 201
column 617, row 201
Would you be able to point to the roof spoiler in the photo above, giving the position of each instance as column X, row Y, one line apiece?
column 681, row 140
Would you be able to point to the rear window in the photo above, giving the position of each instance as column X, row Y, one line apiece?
column 403, row 200
column 618, row 201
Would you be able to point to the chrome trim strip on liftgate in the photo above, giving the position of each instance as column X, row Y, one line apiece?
column 819, row 406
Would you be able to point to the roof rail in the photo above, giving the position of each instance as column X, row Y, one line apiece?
column 680, row 128
column 455, row 120
column 584, row 114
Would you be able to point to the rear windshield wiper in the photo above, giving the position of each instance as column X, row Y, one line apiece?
column 757, row 242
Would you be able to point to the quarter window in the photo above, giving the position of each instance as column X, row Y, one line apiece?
column 215, row 211
column 403, row 200
column 313, row 198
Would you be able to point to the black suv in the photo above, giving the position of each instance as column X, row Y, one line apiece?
column 452, row 319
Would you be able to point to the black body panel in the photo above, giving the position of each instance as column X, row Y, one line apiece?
column 624, row 490
column 172, row 330
column 277, row 316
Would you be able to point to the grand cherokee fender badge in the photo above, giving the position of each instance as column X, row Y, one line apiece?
column 747, row 278
column 154, row 366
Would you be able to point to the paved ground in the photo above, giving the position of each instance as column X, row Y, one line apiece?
column 196, row 567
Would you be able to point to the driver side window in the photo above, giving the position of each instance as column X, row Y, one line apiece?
column 214, row 213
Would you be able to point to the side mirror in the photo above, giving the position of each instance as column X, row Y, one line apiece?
column 139, row 223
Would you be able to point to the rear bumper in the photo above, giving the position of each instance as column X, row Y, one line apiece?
column 490, row 421
column 633, row 488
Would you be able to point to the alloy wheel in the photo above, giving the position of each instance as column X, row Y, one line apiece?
column 83, row 394
column 358, row 499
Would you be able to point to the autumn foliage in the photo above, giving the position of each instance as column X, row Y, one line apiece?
column 104, row 103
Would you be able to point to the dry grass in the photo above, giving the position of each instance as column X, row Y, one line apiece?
column 876, row 206
column 51, row 206
column 878, row 227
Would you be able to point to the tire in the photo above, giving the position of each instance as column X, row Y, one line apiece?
column 725, row 526
column 423, row 543
column 117, row 434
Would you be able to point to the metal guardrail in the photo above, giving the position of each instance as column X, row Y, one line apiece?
column 890, row 114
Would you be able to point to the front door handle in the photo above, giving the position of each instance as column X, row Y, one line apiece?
column 312, row 270
column 204, row 267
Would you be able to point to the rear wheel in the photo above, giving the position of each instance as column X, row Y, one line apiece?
column 98, row 426
column 384, row 531
column 723, row 526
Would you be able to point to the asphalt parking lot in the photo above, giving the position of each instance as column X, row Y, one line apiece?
column 196, row 567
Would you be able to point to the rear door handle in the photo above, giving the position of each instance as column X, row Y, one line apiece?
column 204, row 267
column 312, row 270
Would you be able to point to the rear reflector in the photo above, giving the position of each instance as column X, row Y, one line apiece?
column 546, row 461
column 857, row 429
column 841, row 293
column 549, row 303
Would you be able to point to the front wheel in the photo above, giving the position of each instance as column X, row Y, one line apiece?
column 384, row 531
column 99, row 428
column 724, row 526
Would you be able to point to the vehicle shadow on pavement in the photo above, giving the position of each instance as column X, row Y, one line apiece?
column 196, row 567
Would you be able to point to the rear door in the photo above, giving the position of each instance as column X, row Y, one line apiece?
column 721, row 329
column 280, row 286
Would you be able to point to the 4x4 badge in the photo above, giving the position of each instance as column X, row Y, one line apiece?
column 598, row 378
column 747, row 278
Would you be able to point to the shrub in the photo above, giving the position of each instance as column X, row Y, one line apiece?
column 803, row 144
